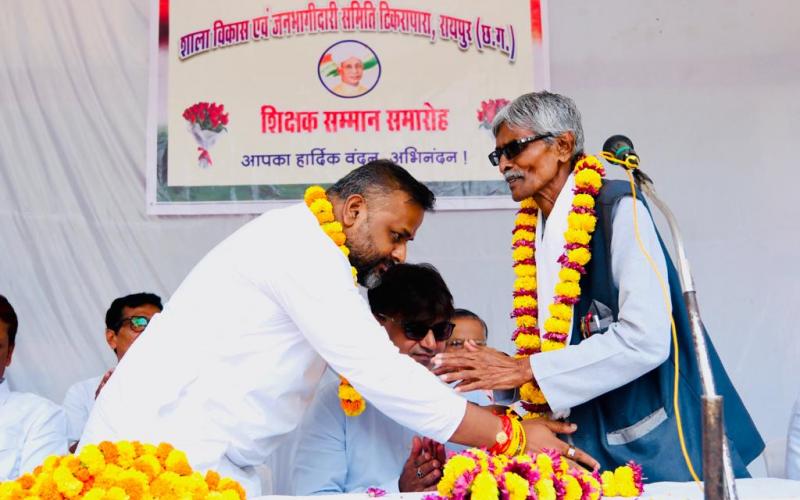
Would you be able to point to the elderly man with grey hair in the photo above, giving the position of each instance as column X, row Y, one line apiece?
column 605, row 363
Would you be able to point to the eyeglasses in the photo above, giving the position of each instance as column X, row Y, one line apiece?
column 459, row 343
column 514, row 148
column 417, row 331
column 138, row 323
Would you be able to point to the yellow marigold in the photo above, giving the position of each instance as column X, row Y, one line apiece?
column 580, row 255
column 212, row 479
column 545, row 490
column 149, row 449
column 108, row 477
column 555, row 325
column 95, row 494
column 560, row 311
column 577, row 236
column 67, row 484
column 345, row 250
column 109, row 452
column 483, row 458
column 229, row 495
column 567, row 274
column 529, row 392
column 522, row 253
column 572, row 488
column 134, row 483
column 484, row 487
column 527, row 341
column 332, row 227
column 568, row 289
column 522, row 234
column 10, row 490
column 525, row 270
column 609, row 484
column 453, row 469
column 545, row 464
column 324, row 217
column 165, row 485
column 525, row 320
column 162, row 452
column 116, row 493
column 500, row 462
column 348, row 392
column 127, row 454
column 525, row 220
column 92, row 458
column 623, row 479
column 50, row 463
column 353, row 408
column 525, row 301
column 551, row 345
column 178, row 463
column 583, row 200
column 227, row 483
column 149, row 465
column 528, row 203
column 595, row 484
column 517, row 486
column 588, row 177
column 313, row 193
column 320, row 205
column 525, row 283
column 581, row 222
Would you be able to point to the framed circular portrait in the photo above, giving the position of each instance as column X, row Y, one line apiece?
column 349, row 69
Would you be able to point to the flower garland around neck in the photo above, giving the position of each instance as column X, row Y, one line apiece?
column 317, row 201
column 581, row 222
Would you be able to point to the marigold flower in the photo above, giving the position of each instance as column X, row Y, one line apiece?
column 353, row 408
column 522, row 234
column 525, row 283
column 545, row 490
column 528, row 203
column 527, row 341
column 588, row 178
column 568, row 289
column 516, row 485
column 556, row 325
column 313, row 193
column 229, row 484
column 560, row 311
column 609, row 484
column 572, row 488
column 580, row 255
column 577, row 236
column 178, row 463
column 525, row 270
column 532, row 394
column 525, row 320
column 522, row 253
column 524, row 301
column 551, row 345
column 581, row 222
column 567, row 274
column 583, row 200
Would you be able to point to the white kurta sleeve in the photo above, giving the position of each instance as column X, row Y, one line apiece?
column 316, row 290
column 320, row 465
column 46, row 435
column 637, row 343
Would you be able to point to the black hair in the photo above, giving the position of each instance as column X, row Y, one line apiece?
column 9, row 317
column 412, row 292
column 383, row 176
column 466, row 313
column 114, row 313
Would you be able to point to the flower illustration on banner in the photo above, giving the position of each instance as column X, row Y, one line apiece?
column 488, row 111
column 206, row 122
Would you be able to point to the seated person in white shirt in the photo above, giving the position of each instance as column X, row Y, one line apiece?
column 31, row 427
column 341, row 454
column 126, row 318
column 468, row 326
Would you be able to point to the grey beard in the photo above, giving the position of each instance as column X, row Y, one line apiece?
column 372, row 279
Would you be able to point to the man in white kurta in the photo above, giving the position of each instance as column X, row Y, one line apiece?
column 232, row 362
column 31, row 427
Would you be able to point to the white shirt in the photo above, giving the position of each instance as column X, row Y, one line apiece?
column 341, row 454
column 793, row 444
column 232, row 362
column 78, row 403
column 632, row 346
column 31, row 429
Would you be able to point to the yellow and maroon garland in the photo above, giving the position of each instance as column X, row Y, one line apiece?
column 581, row 221
column 317, row 201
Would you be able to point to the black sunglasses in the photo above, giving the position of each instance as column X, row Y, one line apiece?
column 138, row 323
column 417, row 331
column 514, row 148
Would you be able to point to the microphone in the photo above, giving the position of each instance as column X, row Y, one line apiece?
column 618, row 149
column 621, row 149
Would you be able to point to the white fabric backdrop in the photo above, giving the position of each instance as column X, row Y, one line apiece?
column 708, row 92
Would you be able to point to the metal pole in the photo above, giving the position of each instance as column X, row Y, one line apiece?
column 718, row 476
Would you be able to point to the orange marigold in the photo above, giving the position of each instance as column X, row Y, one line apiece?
column 26, row 481
column 212, row 479
column 109, row 451
column 227, row 483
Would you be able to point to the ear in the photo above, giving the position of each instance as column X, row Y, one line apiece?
column 111, row 339
column 564, row 145
column 354, row 206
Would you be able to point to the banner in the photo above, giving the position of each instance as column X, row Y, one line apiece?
column 253, row 101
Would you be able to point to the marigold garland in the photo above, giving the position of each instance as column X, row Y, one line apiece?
column 317, row 201
column 126, row 470
column 581, row 223
column 477, row 475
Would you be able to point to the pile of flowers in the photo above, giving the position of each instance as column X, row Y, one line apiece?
column 477, row 475
column 126, row 470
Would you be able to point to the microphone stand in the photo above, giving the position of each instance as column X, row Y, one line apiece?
column 718, row 478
